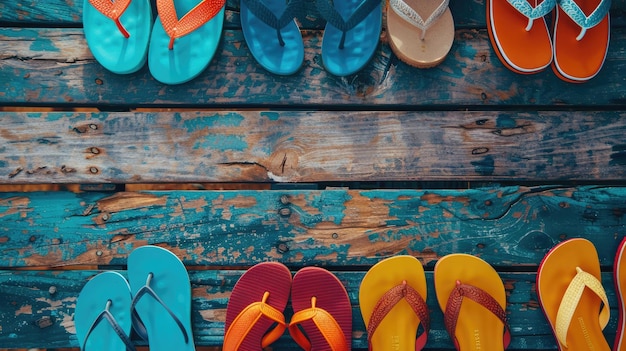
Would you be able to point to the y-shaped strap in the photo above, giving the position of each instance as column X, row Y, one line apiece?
column 246, row 320
column 533, row 13
column 332, row 16
column 138, row 324
column 387, row 302
column 453, row 308
column 410, row 15
column 113, row 10
column 324, row 321
column 258, row 8
column 570, row 301
column 192, row 20
column 105, row 314
column 571, row 8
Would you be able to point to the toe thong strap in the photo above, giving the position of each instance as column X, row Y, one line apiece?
column 324, row 321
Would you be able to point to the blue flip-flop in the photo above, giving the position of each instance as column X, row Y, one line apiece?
column 182, row 47
column 103, row 314
column 161, row 299
column 351, row 35
column 117, row 35
column 272, row 34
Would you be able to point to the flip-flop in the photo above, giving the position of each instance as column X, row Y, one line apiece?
column 256, row 303
column 421, row 32
column 272, row 34
column 570, row 293
column 619, row 277
column 117, row 33
column 351, row 34
column 580, row 38
column 519, row 33
column 322, row 308
column 181, row 48
column 392, row 299
column 161, row 298
column 472, row 296
column 102, row 316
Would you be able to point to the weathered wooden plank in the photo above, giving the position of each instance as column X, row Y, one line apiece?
column 38, row 307
column 510, row 226
column 54, row 66
column 289, row 146
column 25, row 13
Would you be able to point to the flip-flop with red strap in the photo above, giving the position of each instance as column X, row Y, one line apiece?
column 392, row 298
column 182, row 47
column 472, row 296
column 255, row 305
column 322, row 309
column 118, row 33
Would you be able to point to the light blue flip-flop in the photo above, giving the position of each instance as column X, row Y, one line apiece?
column 351, row 35
column 272, row 34
column 118, row 42
column 102, row 317
column 181, row 48
column 161, row 299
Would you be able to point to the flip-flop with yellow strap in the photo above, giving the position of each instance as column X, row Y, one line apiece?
column 472, row 296
column 619, row 277
column 392, row 299
column 571, row 294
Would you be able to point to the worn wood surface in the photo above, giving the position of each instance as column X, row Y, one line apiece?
column 511, row 226
column 289, row 146
column 38, row 307
column 42, row 66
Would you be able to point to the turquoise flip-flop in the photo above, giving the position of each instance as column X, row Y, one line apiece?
column 272, row 34
column 161, row 299
column 180, row 49
column 118, row 33
column 102, row 317
column 351, row 35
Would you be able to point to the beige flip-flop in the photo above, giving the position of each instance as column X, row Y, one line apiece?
column 421, row 32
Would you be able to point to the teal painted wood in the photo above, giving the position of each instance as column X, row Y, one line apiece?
column 509, row 226
column 54, row 66
column 466, row 13
column 289, row 146
column 32, row 317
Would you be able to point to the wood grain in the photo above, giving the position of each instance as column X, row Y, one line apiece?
column 290, row 146
column 506, row 226
column 32, row 316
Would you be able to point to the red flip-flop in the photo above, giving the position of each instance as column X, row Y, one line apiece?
column 619, row 277
column 256, row 303
column 322, row 309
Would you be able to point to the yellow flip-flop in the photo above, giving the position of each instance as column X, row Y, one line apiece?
column 571, row 293
column 472, row 296
column 392, row 299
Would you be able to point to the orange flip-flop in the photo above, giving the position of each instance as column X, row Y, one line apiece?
column 570, row 293
column 472, row 296
column 519, row 33
column 255, row 305
column 581, row 38
column 421, row 32
column 392, row 299
column 619, row 275
column 322, row 309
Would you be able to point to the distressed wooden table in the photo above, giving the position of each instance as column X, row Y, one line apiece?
column 240, row 166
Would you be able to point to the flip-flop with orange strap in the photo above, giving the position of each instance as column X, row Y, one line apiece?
column 421, row 32
column 256, row 303
column 392, row 299
column 322, row 309
column 519, row 33
column 581, row 38
column 619, row 277
column 472, row 296
column 570, row 293
column 181, row 48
